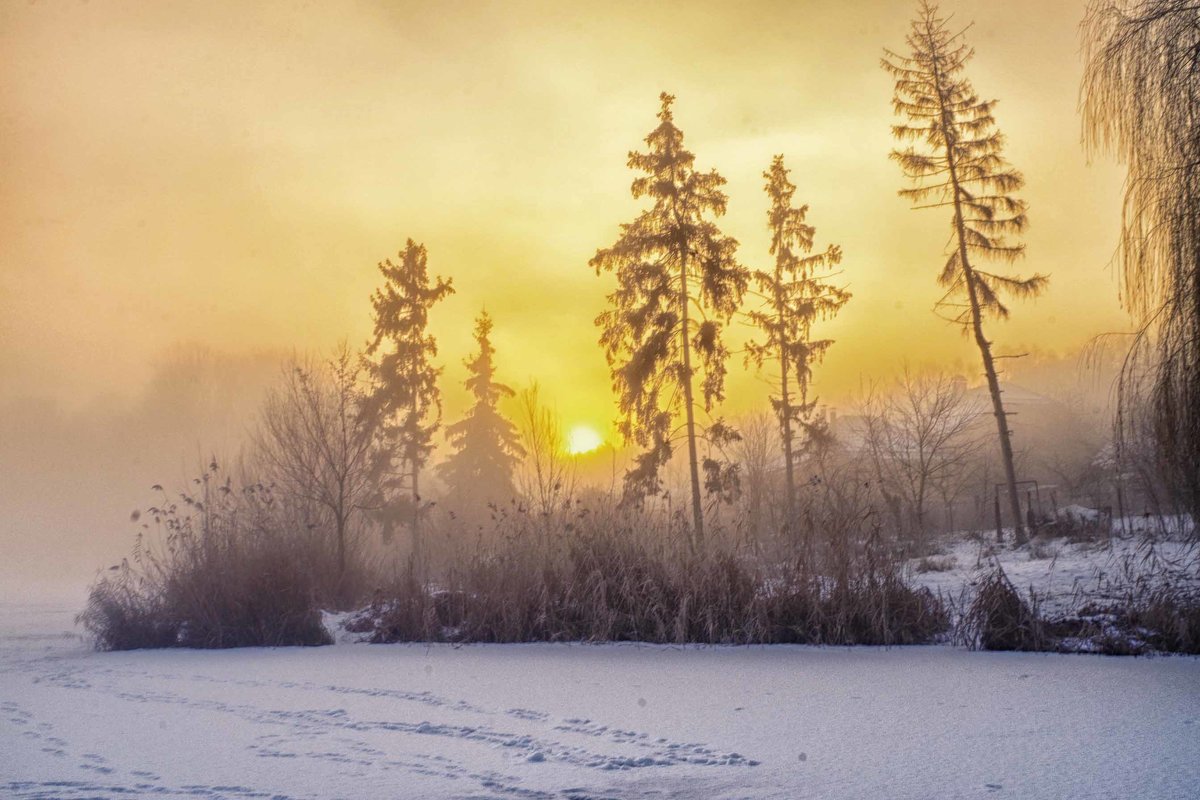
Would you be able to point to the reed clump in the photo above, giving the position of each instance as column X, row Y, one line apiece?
column 228, row 571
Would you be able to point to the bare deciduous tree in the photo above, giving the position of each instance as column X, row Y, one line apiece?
column 318, row 446
column 758, row 455
column 919, row 436
column 547, row 477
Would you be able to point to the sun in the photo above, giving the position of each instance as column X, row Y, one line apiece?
column 583, row 439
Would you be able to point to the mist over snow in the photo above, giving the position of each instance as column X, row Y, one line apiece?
column 548, row 401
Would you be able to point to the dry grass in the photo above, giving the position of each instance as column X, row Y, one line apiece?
column 239, row 567
column 1000, row 619
column 1171, row 620
column 1041, row 549
column 230, row 573
column 1132, row 612
column 613, row 576
column 1148, row 602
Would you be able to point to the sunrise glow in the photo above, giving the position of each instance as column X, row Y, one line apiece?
column 472, row 369
column 583, row 439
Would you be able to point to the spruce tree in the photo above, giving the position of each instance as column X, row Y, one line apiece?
column 796, row 293
column 677, row 281
column 486, row 445
column 960, row 166
column 405, row 394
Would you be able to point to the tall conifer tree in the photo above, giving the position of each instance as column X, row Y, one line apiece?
column 960, row 167
column 487, row 446
column 677, row 281
column 405, row 394
column 796, row 294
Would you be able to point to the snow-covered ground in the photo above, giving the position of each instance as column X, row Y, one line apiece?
column 561, row 721
column 1064, row 576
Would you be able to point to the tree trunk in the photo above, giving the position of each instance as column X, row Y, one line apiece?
column 415, row 428
column 786, row 417
column 693, row 464
column 920, row 511
column 989, row 368
column 418, row 545
column 1006, row 452
column 340, row 522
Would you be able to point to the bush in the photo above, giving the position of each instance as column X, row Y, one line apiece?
column 1000, row 619
column 1163, row 619
column 1077, row 524
column 609, row 577
column 231, row 573
column 124, row 613
column 1147, row 601
column 1169, row 620
column 936, row 564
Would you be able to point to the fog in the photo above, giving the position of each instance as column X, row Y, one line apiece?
column 72, row 477
column 227, row 179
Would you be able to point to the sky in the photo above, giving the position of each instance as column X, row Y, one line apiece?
column 229, row 174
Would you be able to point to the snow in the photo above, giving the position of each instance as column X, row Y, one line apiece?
column 1079, row 513
column 584, row 721
column 1065, row 576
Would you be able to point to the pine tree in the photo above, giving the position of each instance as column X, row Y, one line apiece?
column 405, row 394
column 487, row 446
column 672, row 265
column 961, row 167
column 796, row 293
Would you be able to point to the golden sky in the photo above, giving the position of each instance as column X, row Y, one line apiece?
column 230, row 173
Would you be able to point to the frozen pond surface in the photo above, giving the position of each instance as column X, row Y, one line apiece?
column 582, row 721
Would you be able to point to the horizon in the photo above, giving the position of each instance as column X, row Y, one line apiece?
column 239, row 198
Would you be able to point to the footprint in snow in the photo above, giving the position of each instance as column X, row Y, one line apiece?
column 528, row 714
